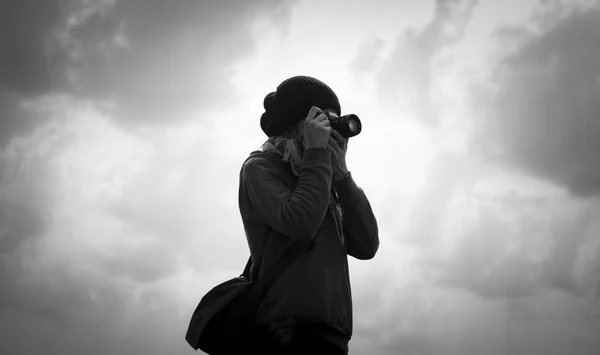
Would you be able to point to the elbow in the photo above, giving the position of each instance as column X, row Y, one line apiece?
column 374, row 250
column 371, row 254
column 363, row 256
column 366, row 253
column 371, row 250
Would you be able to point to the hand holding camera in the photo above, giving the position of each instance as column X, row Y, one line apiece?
column 317, row 129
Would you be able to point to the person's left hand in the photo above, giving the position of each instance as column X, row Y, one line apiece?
column 338, row 145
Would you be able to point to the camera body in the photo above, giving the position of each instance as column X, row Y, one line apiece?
column 347, row 125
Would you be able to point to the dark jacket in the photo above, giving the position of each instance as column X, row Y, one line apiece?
column 278, row 207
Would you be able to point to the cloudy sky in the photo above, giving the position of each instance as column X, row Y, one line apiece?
column 123, row 126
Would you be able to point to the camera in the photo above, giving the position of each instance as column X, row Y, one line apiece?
column 347, row 125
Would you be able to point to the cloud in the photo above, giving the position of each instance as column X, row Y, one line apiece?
column 177, row 57
column 409, row 73
column 97, row 227
column 24, row 65
column 24, row 70
column 27, row 200
column 368, row 55
column 447, row 172
column 482, row 265
column 26, row 190
column 407, row 313
column 174, row 197
column 146, row 63
column 539, row 111
column 516, row 246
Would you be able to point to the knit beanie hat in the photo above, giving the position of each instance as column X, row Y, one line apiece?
column 292, row 102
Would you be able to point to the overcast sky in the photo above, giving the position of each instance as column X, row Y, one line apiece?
column 124, row 124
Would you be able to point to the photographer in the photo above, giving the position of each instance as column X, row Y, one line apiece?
column 297, row 187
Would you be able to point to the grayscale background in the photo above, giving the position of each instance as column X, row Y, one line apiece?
column 123, row 126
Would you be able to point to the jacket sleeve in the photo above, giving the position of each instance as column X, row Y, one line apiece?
column 296, row 213
column 360, row 226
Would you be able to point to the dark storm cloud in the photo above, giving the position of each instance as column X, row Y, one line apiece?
column 24, row 67
column 167, row 58
column 175, row 59
column 37, row 56
column 543, row 113
column 24, row 29
column 408, row 70
column 154, row 60
column 14, row 119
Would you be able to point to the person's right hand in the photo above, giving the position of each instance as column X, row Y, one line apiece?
column 317, row 129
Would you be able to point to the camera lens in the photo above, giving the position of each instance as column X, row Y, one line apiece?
column 353, row 125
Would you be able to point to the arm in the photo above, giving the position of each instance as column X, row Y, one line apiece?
column 298, row 213
column 360, row 226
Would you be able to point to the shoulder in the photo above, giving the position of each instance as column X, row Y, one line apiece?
column 260, row 158
column 259, row 163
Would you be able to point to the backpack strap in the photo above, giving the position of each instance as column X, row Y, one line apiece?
column 246, row 273
column 291, row 254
